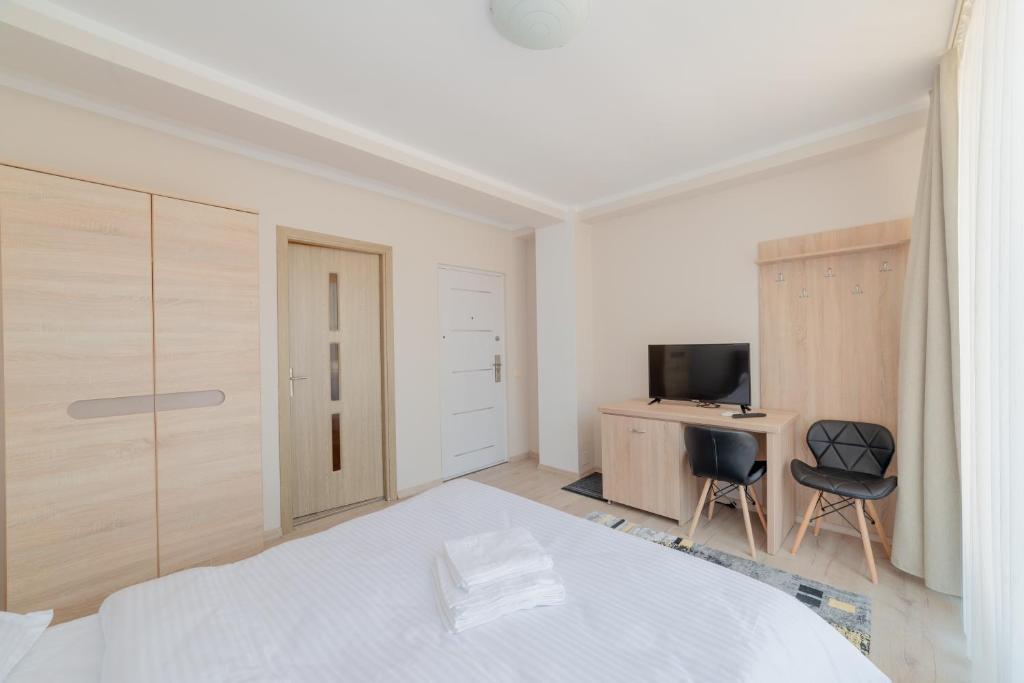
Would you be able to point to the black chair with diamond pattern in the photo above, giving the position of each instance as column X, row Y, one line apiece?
column 852, row 458
column 729, row 457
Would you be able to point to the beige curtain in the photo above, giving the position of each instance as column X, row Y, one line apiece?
column 927, row 534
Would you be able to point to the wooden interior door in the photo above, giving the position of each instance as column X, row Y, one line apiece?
column 77, row 313
column 336, row 408
column 205, row 286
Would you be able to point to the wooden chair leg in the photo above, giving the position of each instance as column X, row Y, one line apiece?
column 870, row 556
column 746, row 521
column 881, row 529
column 711, row 505
column 760, row 510
column 700, row 506
column 805, row 522
column 817, row 520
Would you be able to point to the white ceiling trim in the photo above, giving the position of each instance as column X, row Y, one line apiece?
column 803, row 149
column 59, row 25
column 63, row 27
column 78, row 100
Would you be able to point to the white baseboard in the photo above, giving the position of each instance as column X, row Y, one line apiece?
column 420, row 488
column 558, row 470
column 528, row 455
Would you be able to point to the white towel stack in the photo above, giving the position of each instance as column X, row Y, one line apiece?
column 481, row 578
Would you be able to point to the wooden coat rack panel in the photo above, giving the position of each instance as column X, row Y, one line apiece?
column 830, row 324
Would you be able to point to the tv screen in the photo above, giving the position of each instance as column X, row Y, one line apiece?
column 718, row 373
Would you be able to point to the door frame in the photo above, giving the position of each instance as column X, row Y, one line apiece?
column 286, row 236
column 504, row 322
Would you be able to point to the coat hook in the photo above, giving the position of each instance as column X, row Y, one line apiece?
column 830, row 272
column 779, row 279
column 804, row 294
column 886, row 268
column 857, row 290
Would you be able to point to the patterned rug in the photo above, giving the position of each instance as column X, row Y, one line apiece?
column 849, row 613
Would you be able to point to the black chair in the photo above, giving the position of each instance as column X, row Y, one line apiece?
column 722, row 455
column 852, row 458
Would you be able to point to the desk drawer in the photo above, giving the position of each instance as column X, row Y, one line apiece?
column 641, row 461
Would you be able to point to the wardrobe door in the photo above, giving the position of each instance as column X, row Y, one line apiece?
column 77, row 331
column 207, row 383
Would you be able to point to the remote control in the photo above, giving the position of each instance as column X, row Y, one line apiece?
column 739, row 416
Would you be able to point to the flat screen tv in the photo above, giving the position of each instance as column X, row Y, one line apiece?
column 715, row 373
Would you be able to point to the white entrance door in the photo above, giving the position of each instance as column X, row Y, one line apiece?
column 472, row 370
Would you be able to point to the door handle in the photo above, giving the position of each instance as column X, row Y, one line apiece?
column 637, row 431
column 292, row 378
column 497, row 367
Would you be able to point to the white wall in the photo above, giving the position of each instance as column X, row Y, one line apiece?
column 530, row 277
column 586, row 370
column 40, row 133
column 683, row 272
column 557, row 389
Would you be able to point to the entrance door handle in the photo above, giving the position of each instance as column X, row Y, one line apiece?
column 497, row 368
column 292, row 378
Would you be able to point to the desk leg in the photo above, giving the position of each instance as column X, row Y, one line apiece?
column 779, row 490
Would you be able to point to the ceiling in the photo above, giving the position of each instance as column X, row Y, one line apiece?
column 651, row 90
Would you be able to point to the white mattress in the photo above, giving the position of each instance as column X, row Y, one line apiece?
column 66, row 653
column 356, row 603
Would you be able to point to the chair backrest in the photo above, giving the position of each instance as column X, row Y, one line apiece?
column 720, row 454
column 853, row 446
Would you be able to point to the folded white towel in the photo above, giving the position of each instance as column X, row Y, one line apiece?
column 461, row 609
column 475, row 560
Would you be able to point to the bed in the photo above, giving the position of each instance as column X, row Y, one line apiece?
column 356, row 602
column 67, row 653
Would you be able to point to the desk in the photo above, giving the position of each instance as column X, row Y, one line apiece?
column 643, row 463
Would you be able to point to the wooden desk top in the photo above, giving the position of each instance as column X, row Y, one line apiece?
column 688, row 413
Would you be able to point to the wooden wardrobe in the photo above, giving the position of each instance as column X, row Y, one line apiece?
column 129, row 445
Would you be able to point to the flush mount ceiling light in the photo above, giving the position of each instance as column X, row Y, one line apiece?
column 539, row 24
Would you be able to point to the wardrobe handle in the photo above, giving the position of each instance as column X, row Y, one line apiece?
column 118, row 406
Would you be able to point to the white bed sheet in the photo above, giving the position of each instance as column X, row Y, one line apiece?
column 356, row 603
column 66, row 653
